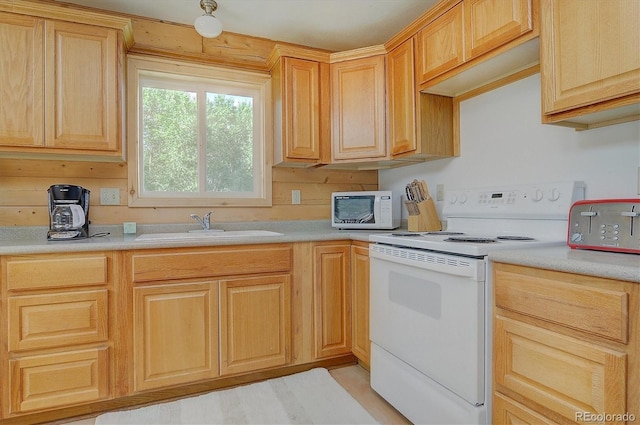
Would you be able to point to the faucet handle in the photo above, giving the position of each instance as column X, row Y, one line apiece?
column 207, row 219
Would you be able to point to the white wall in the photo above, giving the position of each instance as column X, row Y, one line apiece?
column 502, row 142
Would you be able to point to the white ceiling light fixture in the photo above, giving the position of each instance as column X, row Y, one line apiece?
column 208, row 25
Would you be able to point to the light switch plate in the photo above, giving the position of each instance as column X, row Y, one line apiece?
column 440, row 192
column 295, row 197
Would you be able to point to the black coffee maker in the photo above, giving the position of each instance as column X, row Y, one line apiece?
column 68, row 212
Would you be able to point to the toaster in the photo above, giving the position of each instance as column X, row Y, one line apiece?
column 605, row 225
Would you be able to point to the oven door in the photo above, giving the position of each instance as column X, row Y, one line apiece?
column 427, row 310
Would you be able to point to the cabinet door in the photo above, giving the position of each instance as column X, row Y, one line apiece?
column 357, row 109
column 81, row 87
column 175, row 334
column 332, row 300
column 401, row 94
column 558, row 372
column 255, row 323
column 440, row 45
column 301, row 109
column 21, row 80
column 589, row 52
column 491, row 23
column 361, row 344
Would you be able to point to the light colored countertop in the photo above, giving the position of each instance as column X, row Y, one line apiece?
column 33, row 240
column 593, row 263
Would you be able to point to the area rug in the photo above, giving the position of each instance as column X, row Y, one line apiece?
column 311, row 397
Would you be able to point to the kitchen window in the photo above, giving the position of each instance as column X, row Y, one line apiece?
column 197, row 135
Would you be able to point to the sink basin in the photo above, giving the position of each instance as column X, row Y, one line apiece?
column 158, row 237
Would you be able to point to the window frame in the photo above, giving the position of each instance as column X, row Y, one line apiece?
column 196, row 74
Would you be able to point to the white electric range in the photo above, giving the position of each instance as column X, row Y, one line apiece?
column 430, row 316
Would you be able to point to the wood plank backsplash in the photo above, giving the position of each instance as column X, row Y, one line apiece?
column 24, row 184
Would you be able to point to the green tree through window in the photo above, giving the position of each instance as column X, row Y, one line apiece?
column 199, row 136
column 169, row 140
column 229, row 143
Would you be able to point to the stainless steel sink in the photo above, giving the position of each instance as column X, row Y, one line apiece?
column 208, row 234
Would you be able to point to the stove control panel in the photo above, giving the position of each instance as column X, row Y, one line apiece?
column 545, row 200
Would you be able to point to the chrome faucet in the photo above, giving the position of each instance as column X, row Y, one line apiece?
column 204, row 222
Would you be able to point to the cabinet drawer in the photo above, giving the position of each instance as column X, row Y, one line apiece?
column 153, row 266
column 558, row 372
column 507, row 411
column 565, row 299
column 61, row 379
column 56, row 271
column 52, row 320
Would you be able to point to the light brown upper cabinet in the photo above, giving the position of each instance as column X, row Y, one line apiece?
column 82, row 79
column 300, row 90
column 590, row 61
column 401, row 95
column 420, row 124
column 61, row 84
column 21, row 80
column 440, row 45
column 358, row 109
column 465, row 44
column 492, row 23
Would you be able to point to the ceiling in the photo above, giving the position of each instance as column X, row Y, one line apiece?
column 335, row 25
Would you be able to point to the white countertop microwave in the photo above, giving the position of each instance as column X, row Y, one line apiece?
column 365, row 210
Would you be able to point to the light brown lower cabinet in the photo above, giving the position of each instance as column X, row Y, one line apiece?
column 199, row 313
column 55, row 334
column 91, row 331
column 566, row 348
column 332, row 299
column 255, row 323
column 175, row 334
column 361, row 344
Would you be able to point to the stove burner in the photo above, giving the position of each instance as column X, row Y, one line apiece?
column 470, row 239
column 515, row 238
column 406, row 234
column 443, row 233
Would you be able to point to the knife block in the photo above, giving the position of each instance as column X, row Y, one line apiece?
column 427, row 220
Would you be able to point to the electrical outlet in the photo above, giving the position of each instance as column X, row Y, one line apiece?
column 295, row 197
column 440, row 192
column 109, row 196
